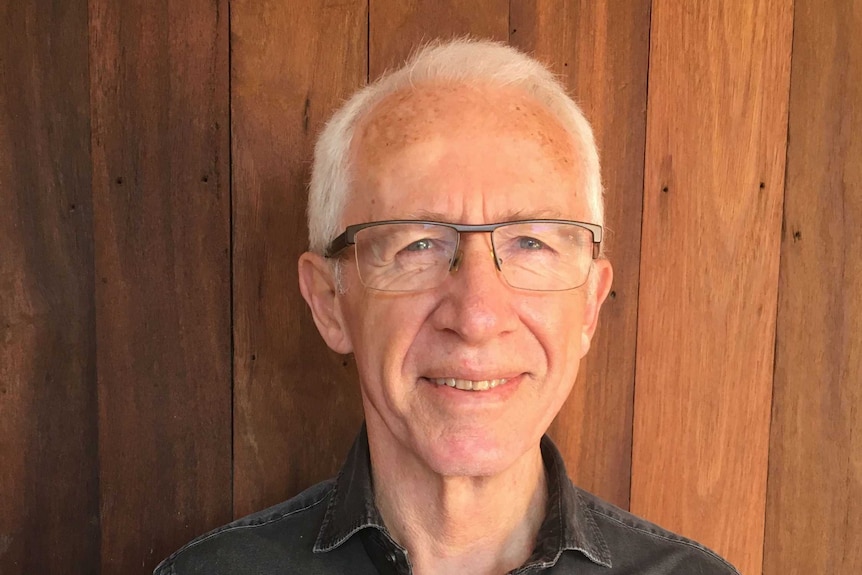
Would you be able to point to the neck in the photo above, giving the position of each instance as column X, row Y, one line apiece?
column 456, row 524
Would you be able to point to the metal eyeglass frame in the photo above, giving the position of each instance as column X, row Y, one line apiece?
column 348, row 238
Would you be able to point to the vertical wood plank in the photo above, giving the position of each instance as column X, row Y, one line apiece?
column 716, row 136
column 161, row 202
column 601, row 51
column 49, row 502
column 297, row 405
column 397, row 27
column 814, row 504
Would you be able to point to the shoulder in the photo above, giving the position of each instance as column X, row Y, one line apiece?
column 284, row 532
column 635, row 542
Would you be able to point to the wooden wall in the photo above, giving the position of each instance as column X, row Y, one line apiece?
column 160, row 375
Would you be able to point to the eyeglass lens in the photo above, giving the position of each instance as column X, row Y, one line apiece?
column 532, row 255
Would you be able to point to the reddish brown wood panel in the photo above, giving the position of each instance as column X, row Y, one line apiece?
column 49, row 505
column 297, row 405
column 714, row 183
column 814, row 504
column 601, row 50
column 161, row 204
column 398, row 27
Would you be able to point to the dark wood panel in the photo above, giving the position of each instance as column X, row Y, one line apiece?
column 397, row 27
column 814, row 503
column 161, row 181
column 49, row 502
column 714, row 183
column 601, row 51
column 297, row 405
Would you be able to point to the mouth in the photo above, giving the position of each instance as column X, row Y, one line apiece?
column 468, row 384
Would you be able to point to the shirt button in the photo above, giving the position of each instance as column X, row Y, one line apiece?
column 391, row 557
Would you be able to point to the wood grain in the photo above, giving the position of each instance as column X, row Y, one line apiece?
column 161, row 202
column 714, row 182
column 115, row 269
column 49, row 501
column 814, row 504
column 296, row 403
column 601, row 51
column 398, row 27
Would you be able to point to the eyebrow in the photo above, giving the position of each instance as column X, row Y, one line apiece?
column 507, row 216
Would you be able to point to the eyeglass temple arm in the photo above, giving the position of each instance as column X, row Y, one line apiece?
column 337, row 246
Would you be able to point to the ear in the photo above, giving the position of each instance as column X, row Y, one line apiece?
column 317, row 285
column 596, row 295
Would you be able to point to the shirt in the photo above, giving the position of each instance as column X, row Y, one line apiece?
column 335, row 527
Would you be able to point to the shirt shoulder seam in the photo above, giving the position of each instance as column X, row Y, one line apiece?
column 679, row 539
column 170, row 561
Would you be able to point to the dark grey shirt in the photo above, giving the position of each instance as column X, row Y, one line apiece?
column 335, row 527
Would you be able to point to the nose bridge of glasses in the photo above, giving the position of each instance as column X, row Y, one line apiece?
column 481, row 236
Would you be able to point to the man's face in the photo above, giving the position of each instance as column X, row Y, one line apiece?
column 473, row 156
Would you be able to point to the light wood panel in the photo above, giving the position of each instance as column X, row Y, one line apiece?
column 397, row 27
column 49, row 500
column 133, row 275
column 296, row 404
column 601, row 50
column 160, row 187
column 814, row 505
column 714, row 183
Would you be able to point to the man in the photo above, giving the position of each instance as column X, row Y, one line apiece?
column 455, row 219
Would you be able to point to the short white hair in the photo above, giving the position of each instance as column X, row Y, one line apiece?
column 462, row 61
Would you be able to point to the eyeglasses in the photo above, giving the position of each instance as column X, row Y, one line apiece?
column 415, row 255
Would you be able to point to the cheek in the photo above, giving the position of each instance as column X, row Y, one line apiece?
column 557, row 324
column 384, row 329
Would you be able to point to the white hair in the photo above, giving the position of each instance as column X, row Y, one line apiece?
column 462, row 61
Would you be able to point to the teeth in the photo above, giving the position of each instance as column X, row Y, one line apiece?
column 481, row 385
column 469, row 385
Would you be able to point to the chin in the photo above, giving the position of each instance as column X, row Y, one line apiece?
column 472, row 455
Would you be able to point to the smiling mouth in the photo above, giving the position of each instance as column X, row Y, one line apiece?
column 467, row 384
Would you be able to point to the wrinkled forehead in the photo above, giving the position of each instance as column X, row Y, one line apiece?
column 435, row 111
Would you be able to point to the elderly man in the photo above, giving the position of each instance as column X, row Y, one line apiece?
column 455, row 224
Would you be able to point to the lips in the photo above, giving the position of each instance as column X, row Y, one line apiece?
column 468, row 384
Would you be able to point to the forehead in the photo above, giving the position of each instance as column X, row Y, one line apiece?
column 437, row 148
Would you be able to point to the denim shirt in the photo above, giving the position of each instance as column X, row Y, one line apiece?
column 335, row 527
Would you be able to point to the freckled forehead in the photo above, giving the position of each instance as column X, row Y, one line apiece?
column 420, row 113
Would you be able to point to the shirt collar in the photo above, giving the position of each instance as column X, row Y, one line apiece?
column 568, row 523
column 351, row 506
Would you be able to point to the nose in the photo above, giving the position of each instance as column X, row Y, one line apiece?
column 476, row 302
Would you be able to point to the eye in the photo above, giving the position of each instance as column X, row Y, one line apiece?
column 420, row 245
column 526, row 243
